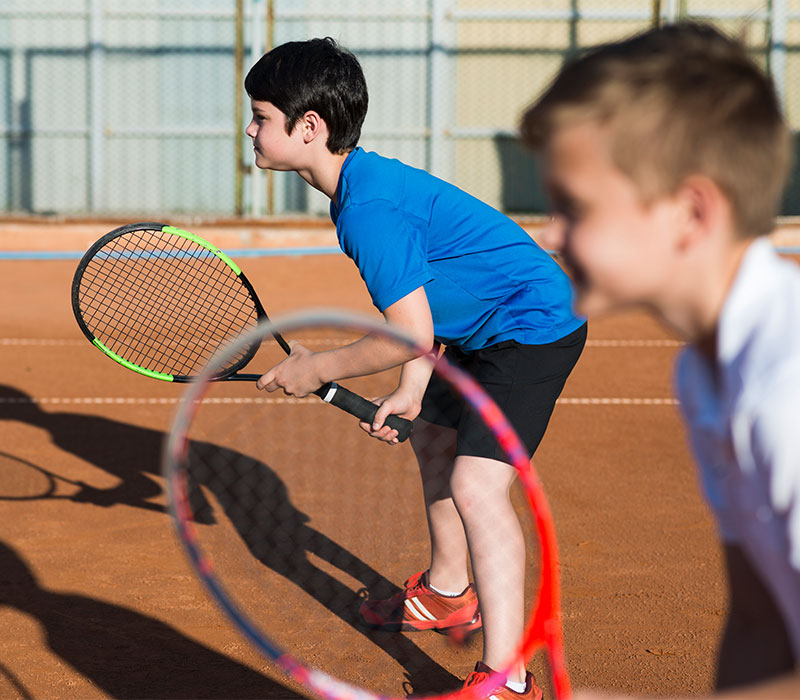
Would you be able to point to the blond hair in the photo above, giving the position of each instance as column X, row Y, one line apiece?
column 679, row 100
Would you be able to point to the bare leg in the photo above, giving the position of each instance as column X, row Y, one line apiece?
column 434, row 447
column 470, row 513
column 480, row 489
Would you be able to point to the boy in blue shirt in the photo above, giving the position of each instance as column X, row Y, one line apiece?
column 447, row 269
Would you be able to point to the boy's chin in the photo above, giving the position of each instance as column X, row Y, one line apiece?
column 264, row 164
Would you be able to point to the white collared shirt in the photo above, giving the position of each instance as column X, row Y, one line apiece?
column 743, row 419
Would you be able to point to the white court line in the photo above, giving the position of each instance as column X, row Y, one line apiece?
column 659, row 343
column 40, row 341
column 173, row 400
column 150, row 401
column 56, row 342
column 604, row 401
column 64, row 342
column 653, row 343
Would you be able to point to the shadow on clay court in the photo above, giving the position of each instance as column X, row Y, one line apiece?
column 123, row 652
column 278, row 535
column 275, row 532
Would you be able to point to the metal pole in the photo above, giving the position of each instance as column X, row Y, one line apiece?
column 256, row 46
column 672, row 11
column 777, row 48
column 96, row 107
column 440, row 90
column 656, row 18
column 238, row 58
column 270, row 34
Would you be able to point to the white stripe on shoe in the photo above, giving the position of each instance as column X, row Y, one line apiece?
column 418, row 610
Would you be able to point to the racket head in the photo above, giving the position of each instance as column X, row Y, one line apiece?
column 22, row 480
column 162, row 301
column 543, row 629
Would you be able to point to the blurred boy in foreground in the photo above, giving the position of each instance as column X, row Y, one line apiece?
column 665, row 158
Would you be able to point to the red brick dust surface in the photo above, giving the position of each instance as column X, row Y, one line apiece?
column 98, row 600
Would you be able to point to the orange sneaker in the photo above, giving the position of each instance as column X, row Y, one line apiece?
column 418, row 607
column 502, row 691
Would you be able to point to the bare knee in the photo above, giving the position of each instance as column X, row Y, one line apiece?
column 480, row 486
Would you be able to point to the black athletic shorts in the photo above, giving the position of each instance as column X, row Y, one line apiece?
column 524, row 381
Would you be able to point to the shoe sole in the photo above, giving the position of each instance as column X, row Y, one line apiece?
column 464, row 628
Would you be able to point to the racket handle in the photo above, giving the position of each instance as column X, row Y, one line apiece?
column 359, row 407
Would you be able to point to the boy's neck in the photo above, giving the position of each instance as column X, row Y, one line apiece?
column 322, row 173
column 696, row 310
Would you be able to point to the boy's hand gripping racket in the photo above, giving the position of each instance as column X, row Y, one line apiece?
column 229, row 454
column 161, row 301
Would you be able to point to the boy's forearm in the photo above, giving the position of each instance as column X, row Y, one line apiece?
column 415, row 376
column 368, row 355
column 375, row 352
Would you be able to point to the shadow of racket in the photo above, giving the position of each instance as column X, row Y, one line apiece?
column 12, row 687
column 22, row 480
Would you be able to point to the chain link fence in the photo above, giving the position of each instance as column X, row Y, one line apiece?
column 123, row 107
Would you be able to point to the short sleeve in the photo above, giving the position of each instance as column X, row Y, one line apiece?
column 387, row 250
column 777, row 450
column 693, row 388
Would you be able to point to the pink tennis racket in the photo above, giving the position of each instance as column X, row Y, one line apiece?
column 233, row 466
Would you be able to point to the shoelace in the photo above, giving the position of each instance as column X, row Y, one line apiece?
column 410, row 586
column 414, row 583
column 475, row 677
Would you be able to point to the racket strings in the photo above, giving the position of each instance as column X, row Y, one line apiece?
column 224, row 315
column 161, row 291
column 137, row 297
column 217, row 316
column 145, row 300
column 163, row 302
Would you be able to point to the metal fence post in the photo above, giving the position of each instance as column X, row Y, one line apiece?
column 777, row 48
column 96, row 107
column 238, row 115
column 257, row 24
column 440, row 91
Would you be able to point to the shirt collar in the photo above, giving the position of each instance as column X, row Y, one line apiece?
column 746, row 301
column 339, row 200
column 742, row 312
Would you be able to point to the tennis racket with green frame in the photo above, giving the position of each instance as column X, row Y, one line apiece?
column 162, row 301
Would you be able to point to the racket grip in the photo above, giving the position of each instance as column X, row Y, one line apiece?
column 359, row 407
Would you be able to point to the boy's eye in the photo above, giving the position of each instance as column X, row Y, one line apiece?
column 570, row 213
column 565, row 209
column 563, row 205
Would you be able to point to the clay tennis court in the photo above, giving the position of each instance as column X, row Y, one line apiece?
column 97, row 598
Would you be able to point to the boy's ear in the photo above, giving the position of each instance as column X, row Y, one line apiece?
column 312, row 126
column 704, row 209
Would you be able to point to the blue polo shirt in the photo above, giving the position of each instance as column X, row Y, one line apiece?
column 485, row 278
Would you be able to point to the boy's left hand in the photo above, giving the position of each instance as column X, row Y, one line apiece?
column 296, row 375
column 398, row 403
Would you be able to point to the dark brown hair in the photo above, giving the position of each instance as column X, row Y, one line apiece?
column 315, row 75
